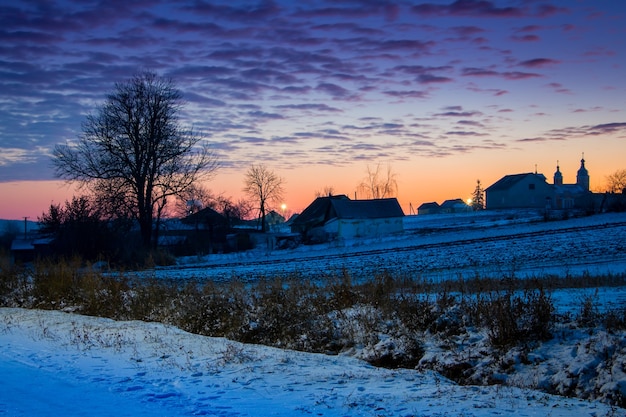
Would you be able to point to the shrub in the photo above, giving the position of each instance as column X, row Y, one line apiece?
column 512, row 318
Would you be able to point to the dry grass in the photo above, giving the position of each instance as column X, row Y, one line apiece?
column 292, row 312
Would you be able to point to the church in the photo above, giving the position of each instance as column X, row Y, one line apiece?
column 532, row 190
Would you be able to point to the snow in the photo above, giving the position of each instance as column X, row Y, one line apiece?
column 56, row 363
column 438, row 247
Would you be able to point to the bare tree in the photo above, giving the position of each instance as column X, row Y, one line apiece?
column 327, row 191
column 379, row 183
column 133, row 153
column 616, row 182
column 265, row 187
column 192, row 200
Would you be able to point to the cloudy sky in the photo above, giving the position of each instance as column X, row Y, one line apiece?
column 445, row 92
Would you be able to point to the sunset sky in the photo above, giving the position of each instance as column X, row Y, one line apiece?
column 444, row 92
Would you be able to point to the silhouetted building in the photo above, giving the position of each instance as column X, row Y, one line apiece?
column 531, row 190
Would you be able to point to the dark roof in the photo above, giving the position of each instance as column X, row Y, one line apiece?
column 509, row 181
column 318, row 212
column 430, row 205
column 569, row 189
column 323, row 209
column 368, row 209
column 452, row 203
column 205, row 216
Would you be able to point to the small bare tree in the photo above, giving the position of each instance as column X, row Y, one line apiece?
column 327, row 191
column 616, row 182
column 379, row 182
column 265, row 187
column 133, row 154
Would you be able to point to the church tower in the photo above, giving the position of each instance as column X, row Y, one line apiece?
column 558, row 177
column 582, row 177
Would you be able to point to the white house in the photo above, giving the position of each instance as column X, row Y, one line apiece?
column 338, row 217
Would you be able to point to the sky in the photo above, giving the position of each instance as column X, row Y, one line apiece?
column 444, row 92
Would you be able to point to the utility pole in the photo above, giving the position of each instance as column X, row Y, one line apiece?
column 25, row 226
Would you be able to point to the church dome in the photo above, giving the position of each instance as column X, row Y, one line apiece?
column 582, row 170
column 582, row 177
column 558, row 177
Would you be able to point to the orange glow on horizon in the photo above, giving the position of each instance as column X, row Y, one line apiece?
column 32, row 198
column 419, row 181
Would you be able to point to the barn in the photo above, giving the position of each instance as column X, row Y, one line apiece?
column 338, row 217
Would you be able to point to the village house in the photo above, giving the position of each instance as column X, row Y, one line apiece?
column 531, row 190
column 338, row 217
column 202, row 231
column 428, row 208
column 455, row 205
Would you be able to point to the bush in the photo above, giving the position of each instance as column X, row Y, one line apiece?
column 512, row 318
column 385, row 319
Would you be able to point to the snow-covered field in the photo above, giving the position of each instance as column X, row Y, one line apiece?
column 56, row 363
column 439, row 247
column 59, row 364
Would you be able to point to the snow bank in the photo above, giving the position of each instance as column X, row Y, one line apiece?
column 56, row 363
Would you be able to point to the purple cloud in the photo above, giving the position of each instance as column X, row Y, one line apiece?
column 406, row 94
column 464, row 133
column 574, row 132
column 362, row 9
column 526, row 38
column 467, row 31
column 459, row 114
column 334, row 90
column 558, row 88
column 310, row 107
column 509, row 75
column 607, row 128
column 430, row 79
column 264, row 10
column 478, row 8
column 538, row 62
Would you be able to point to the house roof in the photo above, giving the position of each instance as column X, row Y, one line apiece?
column 368, row 209
column 22, row 244
column 318, row 212
column 509, row 181
column 453, row 203
column 569, row 189
column 205, row 216
column 431, row 205
column 323, row 209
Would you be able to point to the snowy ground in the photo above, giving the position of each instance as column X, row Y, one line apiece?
column 437, row 248
column 59, row 364
column 55, row 363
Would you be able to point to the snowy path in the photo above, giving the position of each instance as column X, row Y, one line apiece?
column 59, row 364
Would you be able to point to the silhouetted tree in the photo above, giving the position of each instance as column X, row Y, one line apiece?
column 264, row 187
column 133, row 154
column 379, row 183
column 77, row 229
column 327, row 191
column 478, row 197
column 616, row 182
